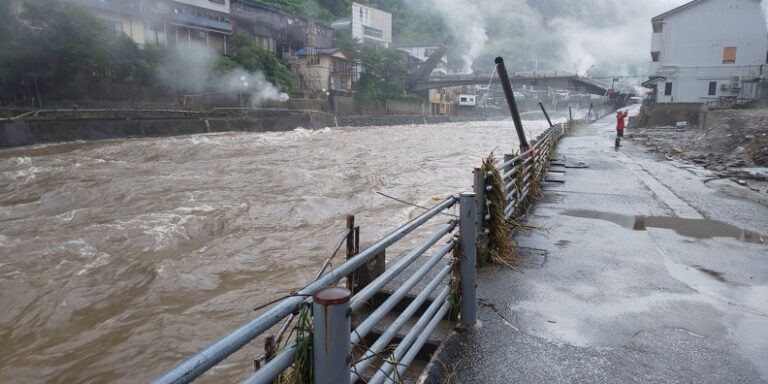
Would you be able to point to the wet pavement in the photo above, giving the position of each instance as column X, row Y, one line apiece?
column 638, row 271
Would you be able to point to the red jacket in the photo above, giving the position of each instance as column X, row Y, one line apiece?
column 620, row 116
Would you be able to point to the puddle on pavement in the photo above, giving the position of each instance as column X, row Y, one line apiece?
column 695, row 228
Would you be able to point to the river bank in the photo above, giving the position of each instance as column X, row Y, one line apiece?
column 116, row 125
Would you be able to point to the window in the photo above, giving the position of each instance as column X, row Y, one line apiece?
column 463, row 99
column 115, row 27
column 658, row 26
column 655, row 56
column 729, row 55
column 712, row 88
column 373, row 32
column 668, row 89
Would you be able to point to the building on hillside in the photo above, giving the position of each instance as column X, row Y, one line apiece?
column 260, row 22
column 329, row 70
column 367, row 24
column 119, row 16
column 305, row 33
column 708, row 51
column 421, row 52
column 187, row 22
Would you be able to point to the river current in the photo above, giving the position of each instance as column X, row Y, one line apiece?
column 121, row 258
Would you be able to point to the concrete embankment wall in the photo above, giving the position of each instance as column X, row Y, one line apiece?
column 670, row 114
column 27, row 132
column 365, row 121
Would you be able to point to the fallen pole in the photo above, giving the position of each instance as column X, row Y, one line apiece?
column 546, row 115
column 507, row 87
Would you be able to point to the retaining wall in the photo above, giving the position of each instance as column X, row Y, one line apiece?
column 27, row 132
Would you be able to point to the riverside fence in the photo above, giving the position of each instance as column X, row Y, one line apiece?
column 329, row 347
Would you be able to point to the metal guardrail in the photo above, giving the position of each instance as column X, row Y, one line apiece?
column 333, row 334
column 521, row 174
column 330, row 342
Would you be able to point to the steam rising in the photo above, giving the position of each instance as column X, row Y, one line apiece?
column 193, row 69
column 571, row 35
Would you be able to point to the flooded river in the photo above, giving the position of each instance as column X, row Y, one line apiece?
column 118, row 259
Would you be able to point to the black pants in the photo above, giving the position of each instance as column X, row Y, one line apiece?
column 620, row 133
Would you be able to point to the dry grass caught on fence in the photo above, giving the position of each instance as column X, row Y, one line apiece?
column 501, row 249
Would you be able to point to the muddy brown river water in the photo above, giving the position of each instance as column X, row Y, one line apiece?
column 119, row 259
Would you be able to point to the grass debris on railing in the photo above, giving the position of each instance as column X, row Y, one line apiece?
column 301, row 371
column 454, row 284
column 499, row 243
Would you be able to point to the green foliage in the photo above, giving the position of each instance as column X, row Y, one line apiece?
column 307, row 8
column 252, row 57
column 384, row 73
column 61, row 47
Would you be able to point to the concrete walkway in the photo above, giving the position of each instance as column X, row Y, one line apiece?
column 638, row 272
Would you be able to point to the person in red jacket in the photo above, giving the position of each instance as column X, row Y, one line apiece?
column 620, row 116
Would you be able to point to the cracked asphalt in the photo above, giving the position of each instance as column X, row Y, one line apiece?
column 638, row 271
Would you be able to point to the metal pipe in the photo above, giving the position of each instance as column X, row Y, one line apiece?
column 509, row 160
column 331, row 323
column 411, row 336
column 468, row 237
column 367, row 325
column 546, row 114
column 507, row 87
column 510, row 209
column 375, row 286
column 383, row 340
column 269, row 372
column 221, row 349
column 416, row 347
column 479, row 187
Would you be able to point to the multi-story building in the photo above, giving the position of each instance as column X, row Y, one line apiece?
column 326, row 70
column 119, row 16
column 261, row 23
column 367, row 24
column 708, row 50
column 187, row 22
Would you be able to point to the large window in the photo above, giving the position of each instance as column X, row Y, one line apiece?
column 712, row 88
column 373, row 32
column 668, row 89
column 729, row 55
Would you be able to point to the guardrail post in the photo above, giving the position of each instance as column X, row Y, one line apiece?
column 352, row 277
column 468, row 236
column 332, row 326
column 479, row 189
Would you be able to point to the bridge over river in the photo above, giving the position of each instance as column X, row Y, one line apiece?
column 558, row 80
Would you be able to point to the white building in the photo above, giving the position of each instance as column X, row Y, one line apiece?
column 707, row 50
column 369, row 25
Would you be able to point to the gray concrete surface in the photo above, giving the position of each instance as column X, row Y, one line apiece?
column 638, row 272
